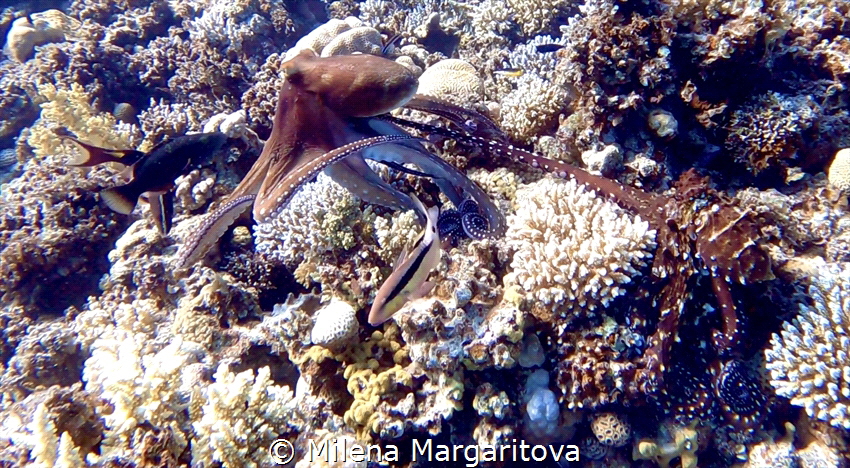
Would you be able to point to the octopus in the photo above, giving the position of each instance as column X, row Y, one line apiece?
column 327, row 119
column 699, row 230
column 332, row 114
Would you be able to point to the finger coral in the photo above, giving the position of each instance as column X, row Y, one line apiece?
column 808, row 359
column 572, row 251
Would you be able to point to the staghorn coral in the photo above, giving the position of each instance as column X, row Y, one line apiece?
column 572, row 251
column 808, row 359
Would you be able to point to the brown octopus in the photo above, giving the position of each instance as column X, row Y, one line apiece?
column 324, row 120
column 331, row 114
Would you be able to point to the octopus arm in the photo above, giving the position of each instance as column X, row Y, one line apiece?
column 358, row 178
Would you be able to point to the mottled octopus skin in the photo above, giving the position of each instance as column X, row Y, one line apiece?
column 323, row 105
column 697, row 229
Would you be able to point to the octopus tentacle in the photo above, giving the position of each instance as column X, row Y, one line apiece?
column 452, row 182
column 308, row 171
column 472, row 122
column 217, row 222
column 624, row 195
column 211, row 229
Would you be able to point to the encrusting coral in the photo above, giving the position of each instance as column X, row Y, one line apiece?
column 611, row 429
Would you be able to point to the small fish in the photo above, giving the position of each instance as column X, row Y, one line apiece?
column 150, row 175
column 511, row 72
column 546, row 48
column 408, row 279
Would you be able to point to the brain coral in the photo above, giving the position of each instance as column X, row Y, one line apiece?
column 808, row 359
column 572, row 249
column 839, row 170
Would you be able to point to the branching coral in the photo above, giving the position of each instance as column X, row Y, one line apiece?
column 57, row 426
column 808, row 359
column 769, row 131
column 322, row 221
column 238, row 416
column 571, row 250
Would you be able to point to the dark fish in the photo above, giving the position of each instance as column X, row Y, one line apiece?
column 546, row 48
column 150, row 175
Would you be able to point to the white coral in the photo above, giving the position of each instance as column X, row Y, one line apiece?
column 839, row 170
column 237, row 418
column 318, row 220
column 139, row 387
column 532, row 107
column 808, row 360
column 452, row 79
column 572, row 250
column 334, row 324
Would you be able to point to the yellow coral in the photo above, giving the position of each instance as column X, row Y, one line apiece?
column 72, row 109
column 684, row 444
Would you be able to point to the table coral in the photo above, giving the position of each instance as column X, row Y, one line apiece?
column 808, row 358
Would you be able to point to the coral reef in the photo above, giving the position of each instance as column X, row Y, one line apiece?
column 631, row 310
column 839, row 170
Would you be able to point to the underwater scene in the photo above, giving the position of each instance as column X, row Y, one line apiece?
column 437, row 233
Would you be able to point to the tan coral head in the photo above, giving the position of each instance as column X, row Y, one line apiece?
column 359, row 85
